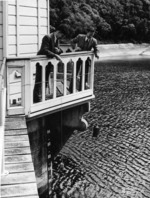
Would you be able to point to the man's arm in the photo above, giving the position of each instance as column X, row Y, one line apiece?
column 96, row 51
column 74, row 42
column 46, row 42
column 45, row 47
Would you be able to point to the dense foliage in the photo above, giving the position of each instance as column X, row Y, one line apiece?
column 114, row 20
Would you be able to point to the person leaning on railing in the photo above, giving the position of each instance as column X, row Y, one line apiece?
column 50, row 48
column 85, row 42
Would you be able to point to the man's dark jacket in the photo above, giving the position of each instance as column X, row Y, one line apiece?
column 48, row 46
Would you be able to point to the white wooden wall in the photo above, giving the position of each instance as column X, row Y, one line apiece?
column 28, row 22
column 1, row 34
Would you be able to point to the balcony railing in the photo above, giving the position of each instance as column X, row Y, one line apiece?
column 39, row 85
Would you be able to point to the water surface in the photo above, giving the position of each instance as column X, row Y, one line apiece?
column 116, row 164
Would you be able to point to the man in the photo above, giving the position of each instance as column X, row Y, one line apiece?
column 50, row 45
column 50, row 48
column 84, row 42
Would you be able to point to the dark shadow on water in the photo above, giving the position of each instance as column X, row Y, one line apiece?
column 67, row 177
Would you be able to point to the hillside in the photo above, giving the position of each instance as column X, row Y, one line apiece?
column 115, row 20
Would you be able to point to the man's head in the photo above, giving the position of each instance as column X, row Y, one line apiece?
column 60, row 32
column 90, row 32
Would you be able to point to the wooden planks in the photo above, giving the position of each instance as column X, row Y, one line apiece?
column 15, row 124
column 18, row 159
column 16, row 144
column 16, row 138
column 33, row 196
column 19, row 167
column 17, row 151
column 18, row 190
column 21, row 181
column 16, row 132
column 18, row 178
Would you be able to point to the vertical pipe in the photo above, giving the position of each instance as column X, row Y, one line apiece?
column 17, row 26
column 38, row 20
column 48, row 17
column 5, row 28
column 2, row 159
column 1, row 106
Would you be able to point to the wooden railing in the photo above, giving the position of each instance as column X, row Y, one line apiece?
column 2, row 114
column 38, row 85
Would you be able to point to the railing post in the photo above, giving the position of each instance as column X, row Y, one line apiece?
column 74, row 76
column 83, row 75
column 43, row 82
column 65, row 78
column 28, row 79
column 55, row 77
column 92, row 73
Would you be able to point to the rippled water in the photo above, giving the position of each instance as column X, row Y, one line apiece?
column 117, row 163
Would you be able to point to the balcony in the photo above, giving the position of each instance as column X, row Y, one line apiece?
column 38, row 85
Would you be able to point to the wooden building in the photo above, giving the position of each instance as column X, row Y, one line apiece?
column 31, row 132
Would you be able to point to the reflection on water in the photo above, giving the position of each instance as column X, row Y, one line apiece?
column 116, row 163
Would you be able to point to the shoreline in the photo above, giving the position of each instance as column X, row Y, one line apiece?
column 129, row 49
column 123, row 49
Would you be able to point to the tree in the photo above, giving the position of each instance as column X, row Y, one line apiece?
column 116, row 19
column 104, row 30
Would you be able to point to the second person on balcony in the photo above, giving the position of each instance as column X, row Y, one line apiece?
column 50, row 48
column 84, row 42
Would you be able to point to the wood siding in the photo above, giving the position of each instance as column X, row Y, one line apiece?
column 27, row 23
column 1, row 34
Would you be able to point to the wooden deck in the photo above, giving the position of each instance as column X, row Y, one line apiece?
column 21, row 181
